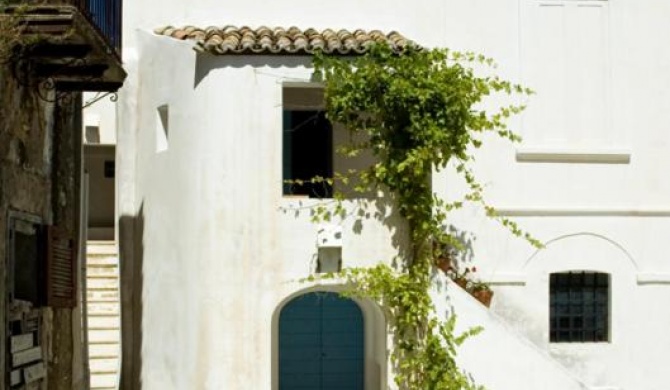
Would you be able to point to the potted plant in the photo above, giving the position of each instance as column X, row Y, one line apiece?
column 443, row 263
column 461, row 278
column 482, row 292
column 442, row 256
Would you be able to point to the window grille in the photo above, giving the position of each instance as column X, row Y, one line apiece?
column 579, row 307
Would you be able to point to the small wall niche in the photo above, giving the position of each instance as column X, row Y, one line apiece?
column 92, row 135
column 162, row 127
column 329, row 244
column 329, row 260
column 91, row 128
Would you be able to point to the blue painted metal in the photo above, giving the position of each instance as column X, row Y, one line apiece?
column 106, row 16
column 321, row 346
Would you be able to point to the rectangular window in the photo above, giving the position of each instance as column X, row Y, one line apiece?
column 26, row 258
column 579, row 307
column 42, row 263
column 307, row 144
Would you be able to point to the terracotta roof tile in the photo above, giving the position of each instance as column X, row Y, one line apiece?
column 266, row 40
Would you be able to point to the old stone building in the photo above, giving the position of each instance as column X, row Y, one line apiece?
column 53, row 53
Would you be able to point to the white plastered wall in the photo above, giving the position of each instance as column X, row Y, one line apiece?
column 100, row 111
column 221, row 248
column 217, row 236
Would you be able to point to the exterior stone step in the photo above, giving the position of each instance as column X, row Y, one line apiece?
column 103, row 309
column 102, row 295
column 104, row 366
column 93, row 260
column 102, row 270
column 102, row 283
column 104, row 381
column 103, row 336
column 101, row 248
column 104, row 351
column 104, row 323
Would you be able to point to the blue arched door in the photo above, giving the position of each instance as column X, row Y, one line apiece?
column 321, row 343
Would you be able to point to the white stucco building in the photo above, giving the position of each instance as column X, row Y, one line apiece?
column 213, row 244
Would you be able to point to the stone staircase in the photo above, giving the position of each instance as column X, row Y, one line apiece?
column 103, row 310
column 500, row 355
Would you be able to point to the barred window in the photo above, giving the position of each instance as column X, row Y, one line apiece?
column 579, row 307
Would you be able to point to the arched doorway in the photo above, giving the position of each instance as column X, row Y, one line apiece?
column 321, row 343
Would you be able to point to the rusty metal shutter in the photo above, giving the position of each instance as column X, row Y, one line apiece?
column 61, row 269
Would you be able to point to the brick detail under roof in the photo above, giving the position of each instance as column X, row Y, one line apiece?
column 266, row 40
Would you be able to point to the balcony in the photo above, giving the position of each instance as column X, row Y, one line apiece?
column 105, row 15
column 71, row 45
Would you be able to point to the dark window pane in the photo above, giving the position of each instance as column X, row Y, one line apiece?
column 307, row 153
column 576, row 335
column 588, row 296
column 601, row 294
column 26, row 268
column 579, row 307
column 589, row 322
column 603, row 280
column 110, row 168
column 589, row 279
column 576, row 279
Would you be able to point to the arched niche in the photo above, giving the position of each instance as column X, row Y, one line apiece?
column 579, row 252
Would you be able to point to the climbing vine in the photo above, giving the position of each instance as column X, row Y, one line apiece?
column 416, row 111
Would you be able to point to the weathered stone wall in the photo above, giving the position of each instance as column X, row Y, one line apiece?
column 40, row 171
column 66, row 183
column 25, row 182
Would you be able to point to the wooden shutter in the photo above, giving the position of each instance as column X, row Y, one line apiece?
column 61, row 269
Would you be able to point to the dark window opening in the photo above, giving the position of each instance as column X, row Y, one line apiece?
column 307, row 153
column 15, row 327
column 110, row 168
column 579, row 307
column 27, row 250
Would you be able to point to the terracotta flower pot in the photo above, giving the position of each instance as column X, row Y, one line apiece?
column 462, row 282
column 483, row 296
column 443, row 263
